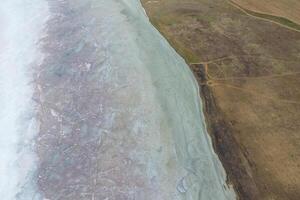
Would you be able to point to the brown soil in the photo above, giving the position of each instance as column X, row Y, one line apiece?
column 248, row 71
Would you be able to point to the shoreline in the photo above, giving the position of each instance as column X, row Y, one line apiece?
column 253, row 133
column 209, row 110
column 226, row 147
column 233, row 159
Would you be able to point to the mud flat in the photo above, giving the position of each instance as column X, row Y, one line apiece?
column 98, row 105
column 120, row 114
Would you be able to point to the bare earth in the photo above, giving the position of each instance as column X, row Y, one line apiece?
column 248, row 70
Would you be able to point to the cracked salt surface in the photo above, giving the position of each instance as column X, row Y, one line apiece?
column 119, row 112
